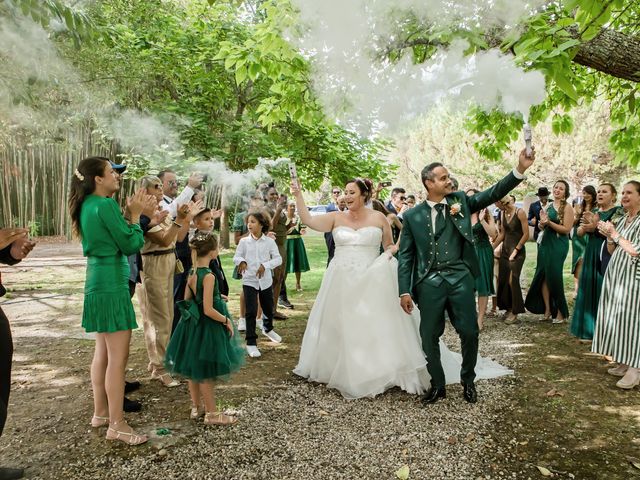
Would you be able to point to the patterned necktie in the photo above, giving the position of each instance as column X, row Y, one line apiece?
column 439, row 219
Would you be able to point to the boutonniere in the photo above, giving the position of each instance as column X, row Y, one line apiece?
column 455, row 209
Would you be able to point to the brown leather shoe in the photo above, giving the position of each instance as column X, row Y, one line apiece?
column 279, row 316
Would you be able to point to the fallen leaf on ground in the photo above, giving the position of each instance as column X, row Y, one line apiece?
column 634, row 461
column 323, row 412
column 452, row 440
column 403, row 472
column 554, row 393
column 545, row 471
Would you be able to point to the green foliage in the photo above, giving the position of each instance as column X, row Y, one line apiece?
column 548, row 41
column 239, row 90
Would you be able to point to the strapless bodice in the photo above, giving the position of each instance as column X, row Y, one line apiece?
column 356, row 247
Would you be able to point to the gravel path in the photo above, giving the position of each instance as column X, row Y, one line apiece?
column 301, row 430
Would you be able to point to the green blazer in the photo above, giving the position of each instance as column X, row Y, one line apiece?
column 416, row 257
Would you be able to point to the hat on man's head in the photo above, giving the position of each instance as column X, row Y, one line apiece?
column 543, row 192
column 120, row 168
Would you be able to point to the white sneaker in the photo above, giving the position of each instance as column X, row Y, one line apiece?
column 242, row 324
column 272, row 335
column 253, row 351
column 259, row 323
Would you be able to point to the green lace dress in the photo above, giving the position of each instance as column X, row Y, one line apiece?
column 107, row 240
column 484, row 251
column 201, row 349
column 552, row 252
column 585, row 310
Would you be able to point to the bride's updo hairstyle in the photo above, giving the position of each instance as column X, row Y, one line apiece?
column 364, row 185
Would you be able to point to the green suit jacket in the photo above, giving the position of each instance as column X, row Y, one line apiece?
column 416, row 257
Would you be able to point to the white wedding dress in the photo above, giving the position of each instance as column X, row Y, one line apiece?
column 358, row 339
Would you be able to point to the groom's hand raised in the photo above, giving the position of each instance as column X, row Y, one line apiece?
column 407, row 304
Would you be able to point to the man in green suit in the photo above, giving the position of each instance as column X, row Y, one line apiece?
column 437, row 264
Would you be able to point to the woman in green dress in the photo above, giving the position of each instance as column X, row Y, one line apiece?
column 579, row 242
column 297, row 261
column 107, row 240
column 546, row 294
column 585, row 310
column 484, row 230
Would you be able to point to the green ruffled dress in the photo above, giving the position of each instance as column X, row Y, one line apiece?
column 297, row 260
column 552, row 252
column 201, row 349
column 484, row 251
column 107, row 240
column 585, row 310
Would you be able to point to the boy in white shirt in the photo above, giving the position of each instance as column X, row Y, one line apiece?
column 256, row 256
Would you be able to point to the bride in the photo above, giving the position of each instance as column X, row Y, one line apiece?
column 358, row 339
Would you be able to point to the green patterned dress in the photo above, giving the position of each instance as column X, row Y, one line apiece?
column 484, row 251
column 201, row 349
column 107, row 240
column 297, row 260
column 585, row 310
column 552, row 252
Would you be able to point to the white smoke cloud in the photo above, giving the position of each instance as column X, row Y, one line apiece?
column 344, row 40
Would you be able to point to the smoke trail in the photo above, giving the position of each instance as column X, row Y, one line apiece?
column 344, row 40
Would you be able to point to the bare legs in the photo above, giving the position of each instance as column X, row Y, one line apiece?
column 547, row 303
column 298, row 285
column 204, row 391
column 576, row 278
column 482, row 308
column 107, row 379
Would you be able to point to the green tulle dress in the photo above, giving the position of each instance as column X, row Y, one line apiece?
column 107, row 240
column 552, row 252
column 201, row 349
column 484, row 251
column 297, row 260
column 578, row 245
column 585, row 310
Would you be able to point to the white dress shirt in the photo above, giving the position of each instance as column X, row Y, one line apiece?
column 255, row 252
column 171, row 205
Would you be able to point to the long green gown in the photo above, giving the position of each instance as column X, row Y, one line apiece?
column 552, row 252
column 484, row 251
column 585, row 310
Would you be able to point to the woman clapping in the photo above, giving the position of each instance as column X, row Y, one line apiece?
column 106, row 241
column 618, row 324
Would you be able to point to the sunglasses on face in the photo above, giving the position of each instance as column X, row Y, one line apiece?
column 403, row 198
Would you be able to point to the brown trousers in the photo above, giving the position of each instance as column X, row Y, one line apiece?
column 156, row 304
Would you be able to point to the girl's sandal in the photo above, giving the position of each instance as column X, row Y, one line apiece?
column 196, row 412
column 219, row 418
column 130, row 438
column 97, row 422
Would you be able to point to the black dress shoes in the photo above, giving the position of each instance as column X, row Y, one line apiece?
column 469, row 392
column 433, row 395
column 131, row 405
column 131, row 386
column 7, row 473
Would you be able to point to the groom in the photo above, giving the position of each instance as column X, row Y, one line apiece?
column 437, row 264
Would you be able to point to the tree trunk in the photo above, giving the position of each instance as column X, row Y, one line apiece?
column 611, row 52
